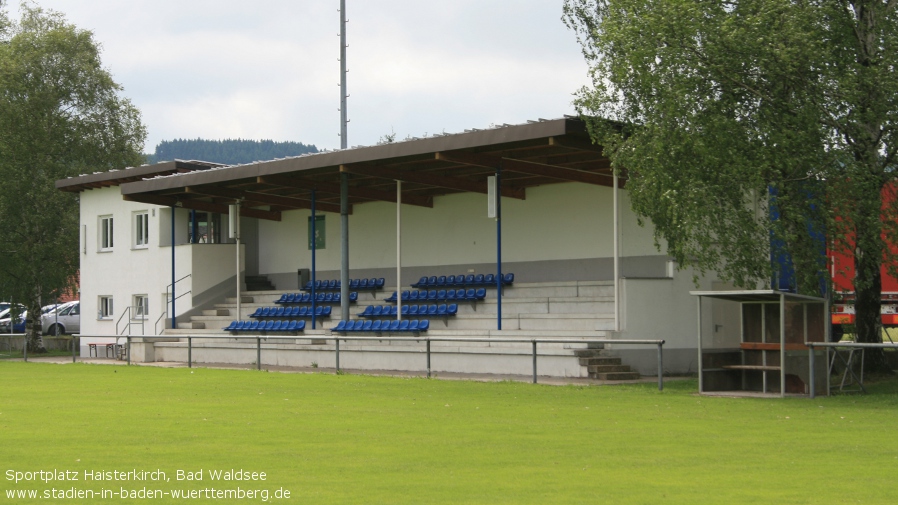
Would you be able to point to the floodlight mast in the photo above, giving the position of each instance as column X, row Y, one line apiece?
column 344, row 177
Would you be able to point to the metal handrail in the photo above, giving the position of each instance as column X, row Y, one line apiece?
column 156, row 324
column 130, row 321
column 850, row 345
column 427, row 340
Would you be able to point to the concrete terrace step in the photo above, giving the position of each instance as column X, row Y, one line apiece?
column 617, row 376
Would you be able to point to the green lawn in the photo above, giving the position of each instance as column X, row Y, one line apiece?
column 360, row 439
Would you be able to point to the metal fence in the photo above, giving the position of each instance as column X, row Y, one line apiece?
column 426, row 340
column 24, row 337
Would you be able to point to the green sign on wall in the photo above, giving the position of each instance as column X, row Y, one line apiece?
column 319, row 232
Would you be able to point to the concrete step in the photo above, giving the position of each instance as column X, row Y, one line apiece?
column 617, row 376
column 243, row 299
column 192, row 325
column 600, row 361
column 217, row 312
column 597, row 369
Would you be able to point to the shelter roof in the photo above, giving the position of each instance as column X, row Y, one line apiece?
column 532, row 154
column 756, row 295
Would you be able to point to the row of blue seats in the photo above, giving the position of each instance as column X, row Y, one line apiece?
column 266, row 326
column 374, row 311
column 438, row 295
column 295, row 311
column 335, row 284
column 289, row 298
column 462, row 280
column 378, row 325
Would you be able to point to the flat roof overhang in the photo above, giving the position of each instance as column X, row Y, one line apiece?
column 534, row 154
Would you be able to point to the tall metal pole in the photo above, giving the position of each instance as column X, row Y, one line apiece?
column 343, row 95
column 174, row 323
column 344, row 177
column 399, row 250
column 499, row 280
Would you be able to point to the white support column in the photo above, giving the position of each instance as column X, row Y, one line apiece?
column 616, row 246
column 399, row 250
column 237, row 237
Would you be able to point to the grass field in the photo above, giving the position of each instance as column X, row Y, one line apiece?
column 360, row 439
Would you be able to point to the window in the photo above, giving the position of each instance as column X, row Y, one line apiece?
column 140, row 307
column 105, row 311
column 106, row 235
column 141, row 229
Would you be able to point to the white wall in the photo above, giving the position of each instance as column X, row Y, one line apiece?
column 556, row 222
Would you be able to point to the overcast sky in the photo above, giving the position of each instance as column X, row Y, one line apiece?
column 269, row 69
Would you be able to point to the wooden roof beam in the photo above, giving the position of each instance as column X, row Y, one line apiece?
column 262, row 198
column 525, row 167
column 430, row 180
column 363, row 193
column 167, row 201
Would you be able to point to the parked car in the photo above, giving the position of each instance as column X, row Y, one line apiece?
column 18, row 327
column 65, row 319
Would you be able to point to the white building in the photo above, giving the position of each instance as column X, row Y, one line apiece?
column 557, row 236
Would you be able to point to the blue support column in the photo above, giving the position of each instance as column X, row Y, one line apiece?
column 314, row 245
column 499, row 246
column 174, row 323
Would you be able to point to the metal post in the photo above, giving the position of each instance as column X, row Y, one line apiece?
column 700, row 382
column 428, row 357
column 534, row 360
column 499, row 258
column 344, row 245
column 74, row 338
column 399, row 250
column 189, row 352
column 338, row 354
column 258, row 353
column 344, row 143
column 660, row 368
column 616, row 256
column 25, row 344
column 174, row 323
column 811, row 374
column 129, row 348
column 782, row 345
column 237, row 237
column 313, row 259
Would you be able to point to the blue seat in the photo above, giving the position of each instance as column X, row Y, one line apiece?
column 332, row 284
column 431, row 295
column 421, row 282
column 441, row 280
column 341, row 326
column 268, row 326
column 231, row 326
column 363, row 284
column 378, row 310
column 295, row 311
column 459, row 280
column 413, row 325
column 359, row 324
column 391, row 298
column 413, row 296
column 339, row 284
column 450, row 294
column 403, row 326
column 469, row 280
column 307, row 286
column 240, row 326
column 412, row 310
column 277, row 326
column 470, row 294
column 354, row 284
column 406, row 295
column 337, row 297
column 452, row 309
column 300, row 325
column 376, row 325
column 423, row 324
column 279, row 312
column 319, row 310
column 490, row 279
column 353, row 296
column 480, row 294
column 320, row 297
column 291, row 325
column 394, row 325
column 326, row 311
column 328, row 297
column 441, row 310
column 256, row 313
column 508, row 279
column 393, row 310
column 253, row 326
column 478, row 279
column 404, row 310
column 379, row 283
column 450, row 280
column 368, row 312
column 441, row 294
column 432, row 281
column 282, row 299
column 431, row 310
column 367, row 326
column 306, row 298
column 303, row 311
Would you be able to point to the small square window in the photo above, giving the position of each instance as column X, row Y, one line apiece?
column 141, row 229
column 105, row 310
column 140, row 308
column 106, row 233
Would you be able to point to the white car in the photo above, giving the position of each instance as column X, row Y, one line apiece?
column 66, row 319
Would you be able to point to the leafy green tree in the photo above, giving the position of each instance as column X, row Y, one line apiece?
column 61, row 114
column 721, row 112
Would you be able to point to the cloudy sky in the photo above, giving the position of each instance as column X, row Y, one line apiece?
column 269, row 69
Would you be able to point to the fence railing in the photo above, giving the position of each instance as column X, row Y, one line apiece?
column 848, row 369
column 24, row 338
column 426, row 340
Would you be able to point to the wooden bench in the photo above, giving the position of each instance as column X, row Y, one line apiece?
column 92, row 349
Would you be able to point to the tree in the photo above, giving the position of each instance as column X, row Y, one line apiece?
column 723, row 112
column 61, row 115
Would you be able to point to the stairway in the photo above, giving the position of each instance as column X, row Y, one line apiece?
column 603, row 367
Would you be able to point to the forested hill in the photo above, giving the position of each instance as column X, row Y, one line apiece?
column 230, row 151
